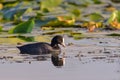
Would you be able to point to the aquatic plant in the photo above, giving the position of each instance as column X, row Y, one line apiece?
column 114, row 19
column 25, row 27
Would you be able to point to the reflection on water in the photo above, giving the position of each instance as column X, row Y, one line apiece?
column 41, row 58
column 57, row 60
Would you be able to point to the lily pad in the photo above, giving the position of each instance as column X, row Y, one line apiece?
column 25, row 27
column 25, row 38
column 114, row 15
column 116, row 1
column 76, row 35
column 43, row 22
column 50, row 4
column 76, row 12
column 12, row 13
column 62, row 21
column 1, row 28
column 1, row 6
column 94, row 17
column 97, row 1
column 114, row 19
column 113, row 34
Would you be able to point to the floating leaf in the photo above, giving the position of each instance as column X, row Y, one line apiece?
column 113, row 16
column 43, row 22
column 26, row 38
column 118, row 16
column 75, row 12
column 47, row 28
column 97, row 1
column 12, row 40
column 76, row 35
column 115, row 24
column 25, row 27
column 113, row 34
column 95, row 17
column 1, row 6
column 1, row 16
column 53, row 32
column 1, row 28
column 110, row 8
column 116, row 1
column 91, row 26
column 79, row 3
column 84, row 2
column 7, row 1
column 50, row 4
column 18, row 15
column 67, row 19
column 57, row 32
column 12, row 13
column 114, row 19
column 62, row 21
column 39, row 16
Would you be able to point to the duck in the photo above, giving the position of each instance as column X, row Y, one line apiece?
column 43, row 47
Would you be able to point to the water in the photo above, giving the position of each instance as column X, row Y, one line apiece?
column 73, row 69
column 90, row 58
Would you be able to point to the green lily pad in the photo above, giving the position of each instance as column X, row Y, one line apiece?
column 62, row 21
column 76, row 35
column 97, row 1
column 95, row 16
column 28, row 39
column 1, row 28
column 113, row 34
column 25, row 27
column 40, row 22
column 76, row 12
column 116, row 1
column 114, row 15
column 50, row 4
column 13, row 13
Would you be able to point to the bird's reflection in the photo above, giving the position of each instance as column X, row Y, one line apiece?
column 41, row 58
column 57, row 60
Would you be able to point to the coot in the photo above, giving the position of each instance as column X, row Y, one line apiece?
column 43, row 47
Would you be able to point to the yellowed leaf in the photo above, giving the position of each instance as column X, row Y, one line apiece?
column 115, row 24
column 1, row 6
column 110, row 9
column 91, row 28
column 66, row 19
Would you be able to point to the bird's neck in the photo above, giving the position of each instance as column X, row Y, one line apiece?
column 55, row 46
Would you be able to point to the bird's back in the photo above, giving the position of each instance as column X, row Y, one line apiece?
column 36, row 48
